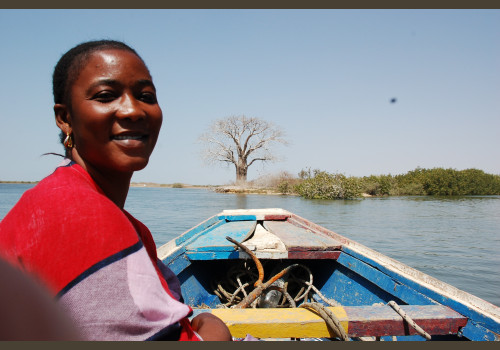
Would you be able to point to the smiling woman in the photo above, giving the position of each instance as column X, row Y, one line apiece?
column 113, row 119
column 71, row 230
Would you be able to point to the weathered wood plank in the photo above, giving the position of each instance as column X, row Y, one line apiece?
column 256, row 214
column 314, row 254
column 179, row 262
column 238, row 217
column 298, row 238
column 383, row 320
column 357, row 321
column 277, row 323
column 215, row 240
column 205, row 225
column 276, row 217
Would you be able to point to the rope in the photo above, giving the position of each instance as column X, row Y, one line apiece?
column 409, row 320
column 241, row 277
column 330, row 302
column 331, row 320
column 250, row 299
column 233, row 296
column 309, row 284
column 238, row 278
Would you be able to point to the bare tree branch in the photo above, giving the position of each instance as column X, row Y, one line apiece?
column 234, row 139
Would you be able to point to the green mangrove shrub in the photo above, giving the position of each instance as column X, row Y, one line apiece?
column 323, row 185
column 284, row 187
column 434, row 182
column 317, row 184
column 451, row 182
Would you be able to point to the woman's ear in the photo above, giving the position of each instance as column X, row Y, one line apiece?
column 63, row 119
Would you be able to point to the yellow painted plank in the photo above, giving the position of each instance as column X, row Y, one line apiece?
column 279, row 323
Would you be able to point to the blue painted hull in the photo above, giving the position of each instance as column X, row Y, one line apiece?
column 343, row 270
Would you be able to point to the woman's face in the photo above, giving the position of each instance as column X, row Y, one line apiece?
column 114, row 116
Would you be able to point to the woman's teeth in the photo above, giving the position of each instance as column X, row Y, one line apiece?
column 128, row 137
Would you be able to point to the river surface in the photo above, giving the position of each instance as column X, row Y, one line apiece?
column 454, row 239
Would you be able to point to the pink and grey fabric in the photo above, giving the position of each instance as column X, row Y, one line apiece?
column 99, row 261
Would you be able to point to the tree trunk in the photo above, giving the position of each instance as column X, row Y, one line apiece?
column 241, row 174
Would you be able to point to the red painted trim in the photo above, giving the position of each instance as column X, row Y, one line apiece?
column 314, row 254
column 382, row 320
column 276, row 217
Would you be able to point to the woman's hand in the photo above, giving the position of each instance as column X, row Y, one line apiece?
column 211, row 328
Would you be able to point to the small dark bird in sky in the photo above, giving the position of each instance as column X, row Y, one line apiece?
column 393, row 100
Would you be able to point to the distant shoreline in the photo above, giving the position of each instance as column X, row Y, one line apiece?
column 216, row 188
column 19, row 182
column 152, row 184
column 133, row 184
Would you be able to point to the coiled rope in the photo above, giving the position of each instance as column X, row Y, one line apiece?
column 241, row 277
column 331, row 320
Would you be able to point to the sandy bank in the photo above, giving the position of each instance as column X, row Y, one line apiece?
column 152, row 184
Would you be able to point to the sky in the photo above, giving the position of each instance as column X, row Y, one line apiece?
column 326, row 77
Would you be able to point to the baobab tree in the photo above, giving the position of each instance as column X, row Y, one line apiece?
column 241, row 141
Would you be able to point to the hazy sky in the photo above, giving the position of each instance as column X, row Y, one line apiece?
column 325, row 76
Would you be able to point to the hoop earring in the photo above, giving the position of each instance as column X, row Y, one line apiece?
column 68, row 141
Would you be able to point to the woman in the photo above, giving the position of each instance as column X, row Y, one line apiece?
column 71, row 230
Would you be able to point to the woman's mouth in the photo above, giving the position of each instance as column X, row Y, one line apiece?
column 132, row 140
column 129, row 137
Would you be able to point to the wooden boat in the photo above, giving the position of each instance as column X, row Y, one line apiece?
column 330, row 287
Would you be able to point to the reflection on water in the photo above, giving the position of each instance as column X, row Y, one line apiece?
column 241, row 201
column 455, row 239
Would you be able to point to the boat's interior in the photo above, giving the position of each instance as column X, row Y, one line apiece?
column 220, row 274
column 211, row 281
column 221, row 284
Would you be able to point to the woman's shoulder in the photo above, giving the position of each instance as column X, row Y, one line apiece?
column 69, row 194
column 65, row 216
column 70, row 177
column 67, row 184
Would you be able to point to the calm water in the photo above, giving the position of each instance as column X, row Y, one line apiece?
column 456, row 240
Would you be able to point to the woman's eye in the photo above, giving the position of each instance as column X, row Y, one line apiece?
column 148, row 97
column 104, row 96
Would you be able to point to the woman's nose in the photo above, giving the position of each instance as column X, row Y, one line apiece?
column 129, row 107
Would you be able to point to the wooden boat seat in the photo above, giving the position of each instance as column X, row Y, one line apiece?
column 269, row 239
column 215, row 239
column 357, row 321
column 303, row 243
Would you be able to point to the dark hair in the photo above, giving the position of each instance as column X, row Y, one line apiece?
column 72, row 62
